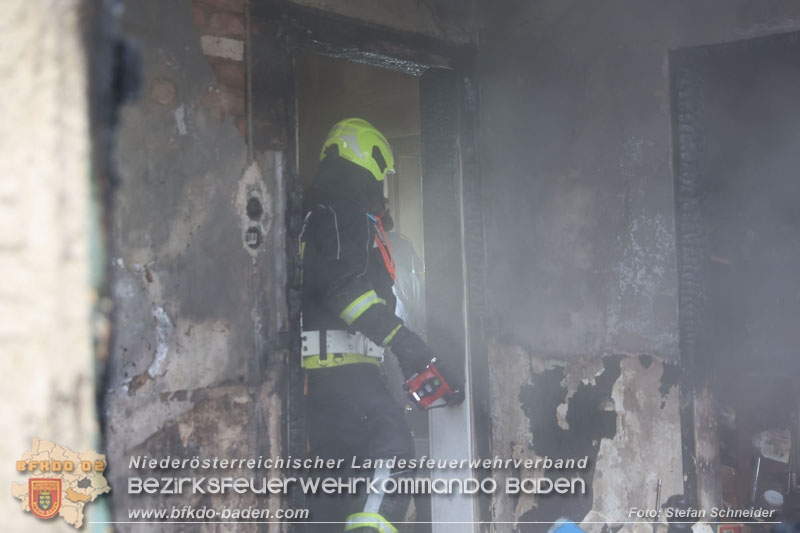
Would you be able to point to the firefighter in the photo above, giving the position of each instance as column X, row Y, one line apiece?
column 348, row 320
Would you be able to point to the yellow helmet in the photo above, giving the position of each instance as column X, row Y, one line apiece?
column 361, row 143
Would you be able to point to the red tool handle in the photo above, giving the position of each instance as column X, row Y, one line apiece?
column 427, row 386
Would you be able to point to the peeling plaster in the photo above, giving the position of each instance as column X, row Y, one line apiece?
column 509, row 369
column 707, row 450
column 587, row 422
column 643, row 445
column 163, row 333
column 180, row 119
column 561, row 412
column 583, row 371
column 646, row 447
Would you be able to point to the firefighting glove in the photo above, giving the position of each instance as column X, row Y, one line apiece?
column 413, row 355
column 411, row 351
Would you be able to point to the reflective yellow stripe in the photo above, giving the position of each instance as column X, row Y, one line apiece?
column 359, row 305
column 313, row 362
column 391, row 335
column 373, row 520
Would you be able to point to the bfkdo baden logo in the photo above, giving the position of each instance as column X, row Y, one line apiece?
column 44, row 496
column 60, row 483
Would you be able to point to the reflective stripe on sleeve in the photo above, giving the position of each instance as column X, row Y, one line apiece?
column 373, row 520
column 358, row 306
column 391, row 335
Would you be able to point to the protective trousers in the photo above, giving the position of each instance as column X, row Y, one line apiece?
column 351, row 415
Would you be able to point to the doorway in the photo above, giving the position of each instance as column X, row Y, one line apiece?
column 737, row 140
column 434, row 136
column 328, row 90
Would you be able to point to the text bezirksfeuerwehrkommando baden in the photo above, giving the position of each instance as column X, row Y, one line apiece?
column 351, row 482
column 354, row 485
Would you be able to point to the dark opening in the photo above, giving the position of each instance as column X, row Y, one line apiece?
column 736, row 116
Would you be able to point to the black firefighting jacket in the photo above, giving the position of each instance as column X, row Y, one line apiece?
column 346, row 285
column 346, row 277
column 346, row 282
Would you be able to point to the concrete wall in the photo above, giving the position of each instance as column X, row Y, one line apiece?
column 195, row 363
column 576, row 160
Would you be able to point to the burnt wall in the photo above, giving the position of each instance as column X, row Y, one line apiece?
column 576, row 153
column 576, row 159
column 198, row 251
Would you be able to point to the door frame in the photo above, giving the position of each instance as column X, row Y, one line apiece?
column 283, row 29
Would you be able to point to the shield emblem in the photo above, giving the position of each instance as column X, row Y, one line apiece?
column 44, row 497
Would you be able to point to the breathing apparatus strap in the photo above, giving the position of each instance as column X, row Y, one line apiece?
column 383, row 245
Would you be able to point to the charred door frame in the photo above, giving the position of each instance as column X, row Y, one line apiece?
column 688, row 97
column 687, row 139
column 451, row 179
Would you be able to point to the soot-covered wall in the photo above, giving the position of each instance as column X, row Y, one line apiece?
column 576, row 160
column 198, row 273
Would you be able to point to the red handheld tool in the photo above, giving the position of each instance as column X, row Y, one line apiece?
column 427, row 386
